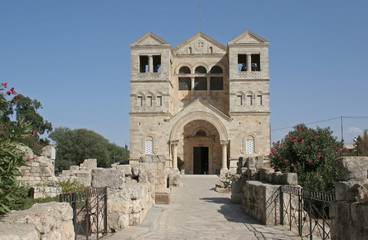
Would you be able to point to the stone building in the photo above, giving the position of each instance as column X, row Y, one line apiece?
column 202, row 102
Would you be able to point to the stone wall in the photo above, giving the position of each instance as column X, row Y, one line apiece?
column 42, row 221
column 350, row 212
column 257, row 188
column 39, row 169
column 80, row 174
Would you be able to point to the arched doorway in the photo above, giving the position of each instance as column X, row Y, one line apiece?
column 200, row 139
column 201, row 150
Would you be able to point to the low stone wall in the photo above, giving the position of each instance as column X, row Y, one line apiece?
column 80, row 174
column 39, row 169
column 349, row 214
column 42, row 221
column 44, row 192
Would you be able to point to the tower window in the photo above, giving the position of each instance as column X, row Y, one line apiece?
column 259, row 99
column 250, row 146
column 156, row 63
column 159, row 101
column 185, row 84
column 143, row 64
column 139, row 101
column 149, row 101
column 149, row 146
column 249, row 100
column 200, row 83
column 242, row 62
column 256, row 62
column 239, row 100
column 201, row 133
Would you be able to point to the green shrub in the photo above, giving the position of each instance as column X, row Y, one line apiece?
column 311, row 153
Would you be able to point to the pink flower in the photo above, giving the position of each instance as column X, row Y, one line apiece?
column 14, row 93
column 5, row 84
column 327, row 135
column 298, row 163
column 309, row 161
column 273, row 150
column 292, row 165
column 270, row 154
column 323, row 149
column 310, row 131
column 325, row 157
column 300, row 130
column 8, row 92
column 340, row 149
column 347, row 150
column 302, row 141
column 34, row 158
column 286, row 160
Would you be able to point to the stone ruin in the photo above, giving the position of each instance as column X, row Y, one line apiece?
column 349, row 214
column 132, row 191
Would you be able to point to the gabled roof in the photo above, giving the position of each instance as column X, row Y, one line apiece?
column 250, row 38
column 202, row 105
column 203, row 36
column 150, row 39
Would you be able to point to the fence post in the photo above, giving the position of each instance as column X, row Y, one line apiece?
column 105, row 215
column 300, row 213
column 74, row 206
column 281, row 206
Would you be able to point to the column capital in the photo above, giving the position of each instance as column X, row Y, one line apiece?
column 224, row 142
column 174, row 142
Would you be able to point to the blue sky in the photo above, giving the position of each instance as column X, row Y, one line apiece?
column 74, row 56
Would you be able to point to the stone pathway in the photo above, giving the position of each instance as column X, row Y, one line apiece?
column 198, row 212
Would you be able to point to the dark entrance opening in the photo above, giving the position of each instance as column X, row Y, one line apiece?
column 200, row 160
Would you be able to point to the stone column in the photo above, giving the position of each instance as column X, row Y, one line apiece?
column 192, row 87
column 249, row 62
column 208, row 87
column 224, row 168
column 175, row 154
column 150, row 63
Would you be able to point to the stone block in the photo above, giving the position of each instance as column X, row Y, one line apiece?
column 250, row 163
column 24, row 231
column 290, row 178
column 126, row 168
column 352, row 168
column 162, row 198
column 264, row 172
column 111, row 178
column 74, row 168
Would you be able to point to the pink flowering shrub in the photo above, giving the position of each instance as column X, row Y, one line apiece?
column 311, row 154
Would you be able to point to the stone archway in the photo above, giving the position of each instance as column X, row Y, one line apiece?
column 178, row 134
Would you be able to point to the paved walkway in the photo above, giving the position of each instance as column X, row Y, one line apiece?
column 198, row 212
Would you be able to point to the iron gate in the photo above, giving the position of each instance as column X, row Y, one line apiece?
column 89, row 211
column 308, row 210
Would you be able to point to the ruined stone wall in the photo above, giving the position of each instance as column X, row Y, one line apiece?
column 257, row 188
column 42, row 221
column 349, row 214
column 39, row 169
column 80, row 174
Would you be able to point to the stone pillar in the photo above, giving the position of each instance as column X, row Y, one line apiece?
column 224, row 168
column 175, row 154
column 249, row 62
column 192, row 87
column 150, row 63
column 208, row 87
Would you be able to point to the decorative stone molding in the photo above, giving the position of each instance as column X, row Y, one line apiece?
column 149, row 76
column 250, row 74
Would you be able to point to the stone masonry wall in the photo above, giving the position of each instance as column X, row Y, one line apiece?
column 44, row 221
column 349, row 214
column 80, row 174
column 257, row 188
column 40, row 169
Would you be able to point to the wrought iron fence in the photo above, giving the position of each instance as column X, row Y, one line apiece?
column 89, row 211
column 308, row 210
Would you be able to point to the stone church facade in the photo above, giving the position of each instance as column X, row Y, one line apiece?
column 201, row 101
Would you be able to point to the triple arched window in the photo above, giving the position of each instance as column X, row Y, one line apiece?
column 200, row 78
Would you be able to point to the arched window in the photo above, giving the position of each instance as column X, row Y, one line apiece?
column 149, row 145
column 201, row 133
column 250, row 145
column 216, row 69
column 184, row 70
column 200, row 69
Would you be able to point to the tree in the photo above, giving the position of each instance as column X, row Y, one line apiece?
column 361, row 144
column 11, row 158
column 311, row 153
column 73, row 146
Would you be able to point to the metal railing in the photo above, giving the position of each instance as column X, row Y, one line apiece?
column 306, row 207
column 89, row 211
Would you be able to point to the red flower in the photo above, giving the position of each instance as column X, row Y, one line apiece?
column 5, row 84
column 286, row 160
column 298, row 163
column 323, row 149
column 340, row 149
column 302, row 141
column 8, row 92
column 300, row 130
column 34, row 158
column 270, row 154
column 327, row 135
column 309, row 161
column 347, row 150
column 14, row 93
column 292, row 165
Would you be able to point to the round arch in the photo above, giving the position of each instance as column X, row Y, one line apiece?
column 204, row 116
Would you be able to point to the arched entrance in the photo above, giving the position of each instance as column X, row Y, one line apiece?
column 200, row 140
